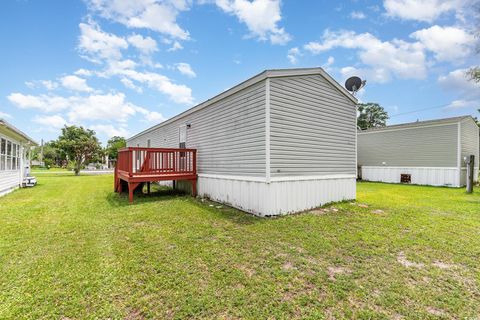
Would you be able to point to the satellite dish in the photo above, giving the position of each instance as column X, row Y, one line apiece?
column 353, row 84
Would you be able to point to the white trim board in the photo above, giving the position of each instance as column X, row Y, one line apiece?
column 278, row 179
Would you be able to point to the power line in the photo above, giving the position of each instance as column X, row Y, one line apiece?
column 424, row 109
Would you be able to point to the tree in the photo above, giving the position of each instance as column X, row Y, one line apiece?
column 371, row 115
column 474, row 74
column 79, row 144
column 51, row 154
column 113, row 145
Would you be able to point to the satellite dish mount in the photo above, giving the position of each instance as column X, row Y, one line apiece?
column 353, row 84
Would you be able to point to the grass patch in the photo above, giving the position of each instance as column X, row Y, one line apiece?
column 72, row 248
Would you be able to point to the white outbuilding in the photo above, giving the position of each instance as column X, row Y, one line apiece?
column 423, row 152
column 280, row 142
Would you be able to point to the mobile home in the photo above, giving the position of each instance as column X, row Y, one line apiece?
column 14, row 151
column 422, row 152
column 282, row 141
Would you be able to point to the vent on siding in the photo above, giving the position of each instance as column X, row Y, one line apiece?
column 405, row 178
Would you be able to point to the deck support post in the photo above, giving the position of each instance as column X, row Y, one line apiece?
column 194, row 187
column 130, row 192
column 148, row 187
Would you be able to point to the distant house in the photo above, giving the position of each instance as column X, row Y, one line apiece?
column 14, row 152
column 424, row 152
column 282, row 141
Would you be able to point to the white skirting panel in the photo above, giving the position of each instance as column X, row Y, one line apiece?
column 434, row 176
column 280, row 196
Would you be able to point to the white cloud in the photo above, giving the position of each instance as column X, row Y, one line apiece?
column 145, row 45
column 457, row 81
column 260, row 16
column 420, row 10
column 111, row 106
column 45, row 103
column 83, row 72
column 185, row 69
column 97, row 45
column 47, row 84
column 176, row 92
column 463, row 104
column 151, row 116
column 101, row 107
column 468, row 92
column 330, row 61
column 156, row 15
column 110, row 130
column 175, row 46
column 293, row 55
column 55, row 122
column 4, row 115
column 359, row 15
column 129, row 84
column 75, row 83
column 447, row 43
column 399, row 58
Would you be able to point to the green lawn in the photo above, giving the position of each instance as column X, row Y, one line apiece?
column 70, row 248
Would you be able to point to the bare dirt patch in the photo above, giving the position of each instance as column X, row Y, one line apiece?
column 334, row 271
column 435, row 312
column 287, row 266
column 378, row 211
column 402, row 259
column 443, row 265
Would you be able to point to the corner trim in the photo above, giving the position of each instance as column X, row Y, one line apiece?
column 459, row 152
column 267, row 130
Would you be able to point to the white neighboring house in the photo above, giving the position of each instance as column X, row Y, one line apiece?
column 280, row 142
column 14, row 157
column 426, row 152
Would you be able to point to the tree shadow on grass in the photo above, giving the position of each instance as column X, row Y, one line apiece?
column 164, row 194
column 161, row 194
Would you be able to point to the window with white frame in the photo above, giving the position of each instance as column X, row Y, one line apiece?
column 9, row 155
column 3, row 152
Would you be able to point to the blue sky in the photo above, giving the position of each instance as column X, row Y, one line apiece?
column 121, row 66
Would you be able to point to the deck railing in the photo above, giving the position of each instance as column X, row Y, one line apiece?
column 136, row 161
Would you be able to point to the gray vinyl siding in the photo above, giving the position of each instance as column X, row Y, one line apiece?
column 469, row 140
column 431, row 146
column 229, row 135
column 313, row 127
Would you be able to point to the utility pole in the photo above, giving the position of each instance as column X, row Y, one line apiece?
column 41, row 151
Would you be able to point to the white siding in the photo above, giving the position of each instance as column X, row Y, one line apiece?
column 429, row 146
column 313, row 128
column 229, row 135
column 9, row 180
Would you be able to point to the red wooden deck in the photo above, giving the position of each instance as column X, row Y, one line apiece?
column 136, row 166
